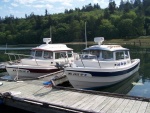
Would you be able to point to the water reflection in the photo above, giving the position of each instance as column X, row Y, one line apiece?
column 123, row 87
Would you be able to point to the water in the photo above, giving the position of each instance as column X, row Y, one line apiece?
column 137, row 85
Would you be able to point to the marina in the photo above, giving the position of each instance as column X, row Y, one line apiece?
column 132, row 91
column 33, row 96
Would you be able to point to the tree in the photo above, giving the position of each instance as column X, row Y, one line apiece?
column 137, row 3
column 127, row 7
column 138, row 25
column 112, row 7
column 107, row 29
column 46, row 12
column 121, row 6
column 126, row 28
column 106, row 14
column 130, row 15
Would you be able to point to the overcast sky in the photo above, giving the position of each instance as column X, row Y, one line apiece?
column 19, row 8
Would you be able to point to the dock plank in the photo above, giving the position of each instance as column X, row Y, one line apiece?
column 73, row 99
column 115, row 106
column 92, row 105
column 122, row 106
column 97, row 102
column 129, row 106
column 87, row 102
column 86, row 97
column 136, row 106
column 143, row 107
column 148, row 108
column 106, row 108
column 103, row 104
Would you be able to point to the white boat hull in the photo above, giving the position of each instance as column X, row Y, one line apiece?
column 28, row 71
column 91, row 78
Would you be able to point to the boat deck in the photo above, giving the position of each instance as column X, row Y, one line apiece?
column 32, row 95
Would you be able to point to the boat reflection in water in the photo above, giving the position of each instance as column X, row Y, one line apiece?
column 123, row 87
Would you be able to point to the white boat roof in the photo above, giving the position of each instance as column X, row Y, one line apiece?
column 106, row 47
column 52, row 47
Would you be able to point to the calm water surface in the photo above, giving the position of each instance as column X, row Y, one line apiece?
column 137, row 85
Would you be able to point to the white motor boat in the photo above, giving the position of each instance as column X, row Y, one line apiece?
column 101, row 65
column 44, row 59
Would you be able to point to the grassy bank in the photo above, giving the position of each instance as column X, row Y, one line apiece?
column 141, row 41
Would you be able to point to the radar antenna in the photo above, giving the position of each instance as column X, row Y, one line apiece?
column 99, row 40
column 46, row 40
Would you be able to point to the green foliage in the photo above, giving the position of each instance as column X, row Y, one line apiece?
column 130, row 19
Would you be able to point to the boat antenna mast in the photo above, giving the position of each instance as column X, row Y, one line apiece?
column 85, row 37
column 6, row 48
column 50, row 34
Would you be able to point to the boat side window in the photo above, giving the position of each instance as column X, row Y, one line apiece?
column 119, row 55
column 107, row 55
column 38, row 54
column 48, row 55
column 60, row 55
column 69, row 54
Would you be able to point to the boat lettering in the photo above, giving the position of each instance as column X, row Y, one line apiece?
column 79, row 74
column 21, row 70
column 121, row 63
column 115, row 46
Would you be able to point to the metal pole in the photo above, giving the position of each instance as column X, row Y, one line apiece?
column 85, row 36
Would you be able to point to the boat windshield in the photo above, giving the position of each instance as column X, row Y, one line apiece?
column 122, row 55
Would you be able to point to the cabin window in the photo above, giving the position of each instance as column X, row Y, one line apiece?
column 69, row 54
column 96, row 53
column 60, row 55
column 38, row 54
column 48, row 55
column 119, row 55
column 126, row 54
column 107, row 55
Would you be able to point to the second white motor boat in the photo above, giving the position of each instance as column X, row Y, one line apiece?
column 101, row 65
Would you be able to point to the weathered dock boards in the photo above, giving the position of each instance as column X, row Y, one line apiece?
column 33, row 96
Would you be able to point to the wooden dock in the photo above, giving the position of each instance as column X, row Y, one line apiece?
column 32, row 95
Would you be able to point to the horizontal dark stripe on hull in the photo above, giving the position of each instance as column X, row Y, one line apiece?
column 39, row 70
column 108, row 74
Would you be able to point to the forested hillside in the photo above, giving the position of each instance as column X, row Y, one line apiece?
column 130, row 19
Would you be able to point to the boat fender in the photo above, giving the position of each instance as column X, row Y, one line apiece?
column 48, row 84
column 1, row 83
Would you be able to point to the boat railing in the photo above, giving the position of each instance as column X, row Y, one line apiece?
column 17, row 57
column 88, row 57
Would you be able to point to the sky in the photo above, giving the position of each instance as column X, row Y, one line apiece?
column 18, row 8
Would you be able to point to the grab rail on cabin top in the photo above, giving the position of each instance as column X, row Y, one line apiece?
column 86, row 56
column 14, row 54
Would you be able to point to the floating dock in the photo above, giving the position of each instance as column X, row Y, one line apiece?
column 32, row 95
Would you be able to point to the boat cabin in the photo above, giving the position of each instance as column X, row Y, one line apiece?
column 50, row 54
column 104, row 56
column 106, row 52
